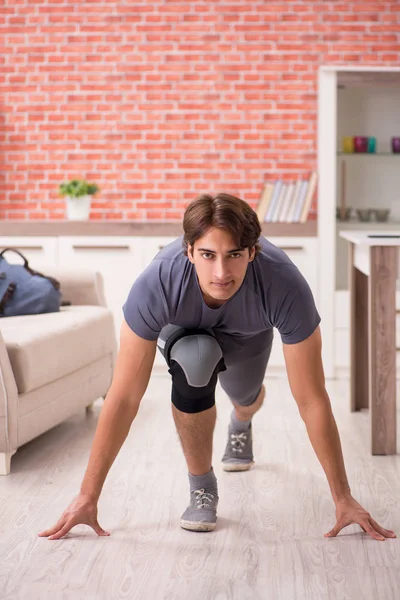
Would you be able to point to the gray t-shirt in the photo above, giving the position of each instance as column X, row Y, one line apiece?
column 273, row 294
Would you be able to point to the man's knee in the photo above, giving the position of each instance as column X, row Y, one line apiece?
column 194, row 358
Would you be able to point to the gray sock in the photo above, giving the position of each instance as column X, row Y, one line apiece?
column 239, row 425
column 207, row 481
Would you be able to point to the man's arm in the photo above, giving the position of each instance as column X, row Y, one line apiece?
column 130, row 380
column 307, row 383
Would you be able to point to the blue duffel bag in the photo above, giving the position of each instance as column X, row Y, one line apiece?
column 24, row 291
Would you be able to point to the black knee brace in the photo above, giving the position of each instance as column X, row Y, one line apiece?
column 194, row 358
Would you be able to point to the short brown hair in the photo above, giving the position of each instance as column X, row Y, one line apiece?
column 224, row 212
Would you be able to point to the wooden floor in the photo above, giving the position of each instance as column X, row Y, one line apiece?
column 269, row 540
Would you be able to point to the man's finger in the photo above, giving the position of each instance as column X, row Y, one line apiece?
column 53, row 529
column 333, row 532
column 99, row 530
column 382, row 530
column 63, row 531
column 369, row 529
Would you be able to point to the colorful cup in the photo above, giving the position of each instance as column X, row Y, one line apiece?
column 371, row 147
column 360, row 143
column 348, row 144
column 396, row 145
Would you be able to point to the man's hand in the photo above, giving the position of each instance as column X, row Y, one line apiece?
column 349, row 511
column 81, row 510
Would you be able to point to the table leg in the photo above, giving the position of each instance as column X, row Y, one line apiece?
column 382, row 344
column 358, row 336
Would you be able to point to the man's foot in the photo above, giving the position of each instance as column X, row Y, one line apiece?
column 239, row 450
column 201, row 514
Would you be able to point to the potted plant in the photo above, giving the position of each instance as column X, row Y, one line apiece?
column 78, row 194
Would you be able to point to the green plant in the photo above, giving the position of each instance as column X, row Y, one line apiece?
column 77, row 188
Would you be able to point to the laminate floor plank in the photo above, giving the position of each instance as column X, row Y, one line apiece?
column 268, row 543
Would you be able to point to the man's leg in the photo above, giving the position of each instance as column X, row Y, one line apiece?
column 243, row 383
column 194, row 358
column 196, row 434
column 245, row 413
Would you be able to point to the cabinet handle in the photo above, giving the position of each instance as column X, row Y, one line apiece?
column 296, row 248
column 78, row 247
column 26, row 247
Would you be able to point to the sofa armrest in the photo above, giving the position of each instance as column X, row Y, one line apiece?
column 79, row 286
column 8, row 404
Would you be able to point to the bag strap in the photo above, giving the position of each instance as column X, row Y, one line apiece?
column 7, row 295
column 17, row 252
column 53, row 281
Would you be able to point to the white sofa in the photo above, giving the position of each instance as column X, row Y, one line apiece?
column 53, row 365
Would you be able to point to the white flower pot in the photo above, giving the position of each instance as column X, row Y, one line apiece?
column 78, row 208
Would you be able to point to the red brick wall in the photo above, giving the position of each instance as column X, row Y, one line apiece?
column 159, row 101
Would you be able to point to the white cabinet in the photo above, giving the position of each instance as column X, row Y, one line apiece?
column 39, row 251
column 119, row 259
column 152, row 245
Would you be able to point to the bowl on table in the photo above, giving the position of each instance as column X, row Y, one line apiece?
column 347, row 213
column 381, row 214
column 364, row 214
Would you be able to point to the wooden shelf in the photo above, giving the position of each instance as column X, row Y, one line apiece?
column 368, row 154
column 151, row 228
column 309, row 229
column 354, row 224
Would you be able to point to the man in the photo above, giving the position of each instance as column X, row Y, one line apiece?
column 212, row 300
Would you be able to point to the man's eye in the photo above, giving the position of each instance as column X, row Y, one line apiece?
column 208, row 256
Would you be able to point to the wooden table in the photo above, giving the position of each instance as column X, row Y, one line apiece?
column 373, row 274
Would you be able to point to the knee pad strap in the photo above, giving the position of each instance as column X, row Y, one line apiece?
column 195, row 361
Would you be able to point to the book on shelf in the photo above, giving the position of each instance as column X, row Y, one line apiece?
column 280, row 198
column 288, row 201
column 300, row 201
column 282, row 201
column 296, row 192
column 284, row 214
column 274, row 199
column 264, row 201
column 312, row 185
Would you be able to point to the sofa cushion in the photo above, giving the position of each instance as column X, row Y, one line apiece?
column 45, row 347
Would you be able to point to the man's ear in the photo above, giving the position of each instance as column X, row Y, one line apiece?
column 252, row 254
column 190, row 253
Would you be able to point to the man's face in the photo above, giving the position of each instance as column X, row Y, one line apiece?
column 220, row 265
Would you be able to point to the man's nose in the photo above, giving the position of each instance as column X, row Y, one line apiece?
column 220, row 269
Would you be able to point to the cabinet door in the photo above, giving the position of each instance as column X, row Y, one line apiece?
column 152, row 245
column 39, row 251
column 118, row 258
